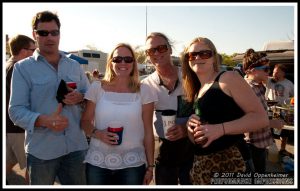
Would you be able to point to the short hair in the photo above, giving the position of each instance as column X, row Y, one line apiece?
column 154, row 34
column 19, row 42
column 281, row 67
column 44, row 16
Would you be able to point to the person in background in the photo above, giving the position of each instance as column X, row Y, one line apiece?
column 280, row 89
column 256, row 68
column 20, row 47
column 97, row 75
column 175, row 155
column 55, row 145
column 227, row 107
column 119, row 97
column 89, row 76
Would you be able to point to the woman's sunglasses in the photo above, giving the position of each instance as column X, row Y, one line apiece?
column 160, row 49
column 118, row 59
column 203, row 54
column 265, row 68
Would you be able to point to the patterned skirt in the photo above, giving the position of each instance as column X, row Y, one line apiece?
column 204, row 166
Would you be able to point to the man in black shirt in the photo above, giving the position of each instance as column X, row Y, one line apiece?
column 20, row 47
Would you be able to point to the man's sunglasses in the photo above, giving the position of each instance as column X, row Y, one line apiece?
column 203, row 54
column 160, row 49
column 118, row 59
column 265, row 68
column 46, row 33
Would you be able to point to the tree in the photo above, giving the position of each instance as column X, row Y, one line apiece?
column 227, row 60
column 140, row 54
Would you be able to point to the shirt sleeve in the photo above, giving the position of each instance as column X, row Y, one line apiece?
column 148, row 95
column 94, row 92
column 85, row 81
column 19, row 111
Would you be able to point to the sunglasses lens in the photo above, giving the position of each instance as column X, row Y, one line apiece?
column 54, row 32
column 151, row 51
column 203, row 54
column 46, row 33
column 128, row 59
column 118, row 59
column 263, row 68
column 42, row 33
column 162, row 48
column 191, row 56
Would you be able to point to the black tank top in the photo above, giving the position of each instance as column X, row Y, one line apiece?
column 217, row 107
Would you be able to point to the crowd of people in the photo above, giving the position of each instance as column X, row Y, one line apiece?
column 101, row 131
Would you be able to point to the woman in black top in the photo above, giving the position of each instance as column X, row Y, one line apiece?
column 225, row 106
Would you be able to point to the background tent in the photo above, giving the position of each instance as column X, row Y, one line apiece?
column 77, row 58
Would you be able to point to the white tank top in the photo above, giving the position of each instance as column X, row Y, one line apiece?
column 127, row 109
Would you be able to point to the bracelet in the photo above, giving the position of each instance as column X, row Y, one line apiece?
column 151, row 166
column 223, row 128
column 93, row 131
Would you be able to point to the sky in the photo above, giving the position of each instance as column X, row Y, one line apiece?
column 233, row 28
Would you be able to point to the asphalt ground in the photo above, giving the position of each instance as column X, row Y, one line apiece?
column 17, row 177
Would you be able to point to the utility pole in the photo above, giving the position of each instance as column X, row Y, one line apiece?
column 146, row 21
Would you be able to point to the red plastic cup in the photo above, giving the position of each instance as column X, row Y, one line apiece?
column 118, row 129
column 72, row 85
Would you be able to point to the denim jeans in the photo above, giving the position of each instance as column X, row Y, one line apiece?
column 173, row 175
column 127, row 176
column 69, row 169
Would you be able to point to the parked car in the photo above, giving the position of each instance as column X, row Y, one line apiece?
column 239, row 68
column 225, row 67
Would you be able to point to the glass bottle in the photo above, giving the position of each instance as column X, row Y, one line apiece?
column 202, row 120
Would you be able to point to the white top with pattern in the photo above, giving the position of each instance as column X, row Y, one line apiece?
column 127, row 109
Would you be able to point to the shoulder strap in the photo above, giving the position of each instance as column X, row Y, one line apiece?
column 218, row 77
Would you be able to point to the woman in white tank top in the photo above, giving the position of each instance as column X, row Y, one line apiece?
column 119, row 98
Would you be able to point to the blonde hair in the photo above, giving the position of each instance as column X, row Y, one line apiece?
column 191, row 83
column 109, row 75
column 155, row 34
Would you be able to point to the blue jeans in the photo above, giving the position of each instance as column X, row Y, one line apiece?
column 127, row 176
column 69, row 169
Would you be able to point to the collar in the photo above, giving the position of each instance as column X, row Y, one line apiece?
column 161, row 83
column 36, row 55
